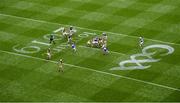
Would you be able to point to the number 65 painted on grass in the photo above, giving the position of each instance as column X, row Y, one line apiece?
column 148, row 58
column 32, row 49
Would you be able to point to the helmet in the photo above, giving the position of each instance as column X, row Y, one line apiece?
column 71, row 27
column 104, row 34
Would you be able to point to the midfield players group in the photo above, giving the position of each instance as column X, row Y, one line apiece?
column 96, row 42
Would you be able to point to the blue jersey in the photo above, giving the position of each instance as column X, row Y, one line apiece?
column 73, row 46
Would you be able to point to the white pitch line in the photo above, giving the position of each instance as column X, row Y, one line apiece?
column 58, row 30
column 102, row 72
column 87, row 29
column 34, row 41
column 100, row 49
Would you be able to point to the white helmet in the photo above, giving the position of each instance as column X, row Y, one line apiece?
column 104, row 34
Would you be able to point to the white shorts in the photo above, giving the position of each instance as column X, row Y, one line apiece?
column 95, row 42
column 65, row 33
column 141, row 43
column 48, row 55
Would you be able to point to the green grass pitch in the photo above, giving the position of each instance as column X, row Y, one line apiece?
column 26, row 75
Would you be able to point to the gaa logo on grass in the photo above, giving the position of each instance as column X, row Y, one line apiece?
column 136, row 61
column 34, row 46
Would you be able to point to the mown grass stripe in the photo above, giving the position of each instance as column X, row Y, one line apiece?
column 88, row 29
column 119, row 76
